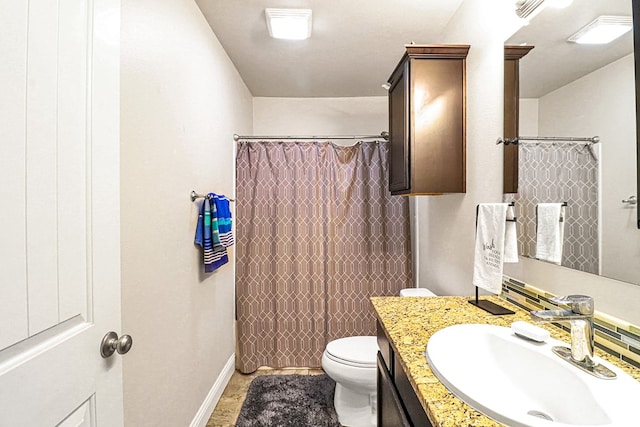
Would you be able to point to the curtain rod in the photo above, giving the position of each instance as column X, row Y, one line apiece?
column 384, row 135
column 507, row 141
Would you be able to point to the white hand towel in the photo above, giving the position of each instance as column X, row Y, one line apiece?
column 510, row 238
column 549, row 232
column 489, row 247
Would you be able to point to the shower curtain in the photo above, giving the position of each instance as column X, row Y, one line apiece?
column 563, row 172
column 318, row 233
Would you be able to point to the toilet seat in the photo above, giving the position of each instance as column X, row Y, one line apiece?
column 359, row 351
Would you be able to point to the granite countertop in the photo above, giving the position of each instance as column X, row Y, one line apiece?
column 409, row 323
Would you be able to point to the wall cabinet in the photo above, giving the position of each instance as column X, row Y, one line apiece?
column 427, row 121
column 512, row 56
column 398, row 405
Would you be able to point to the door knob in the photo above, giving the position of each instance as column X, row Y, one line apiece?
column 631, row 200
column 111, row 343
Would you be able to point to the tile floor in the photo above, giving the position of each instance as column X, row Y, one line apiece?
column 228, row 408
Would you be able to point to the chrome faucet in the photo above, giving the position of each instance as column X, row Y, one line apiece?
column 580, row 317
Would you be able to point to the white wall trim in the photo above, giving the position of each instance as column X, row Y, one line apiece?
column 210, row 402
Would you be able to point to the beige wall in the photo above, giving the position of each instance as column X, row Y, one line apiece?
column 320, row 116
column 528, row 125
column 182, row 100
column 447, row 223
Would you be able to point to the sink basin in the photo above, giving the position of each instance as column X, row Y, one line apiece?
column 519, row 382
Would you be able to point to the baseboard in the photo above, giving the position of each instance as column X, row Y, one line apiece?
column 210, row 402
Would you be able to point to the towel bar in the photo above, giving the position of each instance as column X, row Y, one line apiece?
column 195, row 196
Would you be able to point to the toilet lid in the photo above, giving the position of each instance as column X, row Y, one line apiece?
column 416, row 292
column 354, row 350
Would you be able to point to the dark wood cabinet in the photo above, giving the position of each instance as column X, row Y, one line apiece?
column 512, row 56
column 398, row 404
column 427, row 121
column 390, row 409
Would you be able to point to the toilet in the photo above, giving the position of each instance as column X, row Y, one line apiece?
column 416, row 292
column 351, row 363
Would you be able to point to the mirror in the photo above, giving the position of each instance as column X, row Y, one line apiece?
column 580, row 90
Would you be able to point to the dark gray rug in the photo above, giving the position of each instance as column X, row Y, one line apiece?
column 289, row 400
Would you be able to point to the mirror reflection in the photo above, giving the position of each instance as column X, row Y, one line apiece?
column 569, row 89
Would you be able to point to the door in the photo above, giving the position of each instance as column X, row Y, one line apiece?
column 59, row 212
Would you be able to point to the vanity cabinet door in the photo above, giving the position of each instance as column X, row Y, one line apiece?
column 427, row 153
column 398, row 404
column 413, row 408
column 390, row 410
column 385, row 349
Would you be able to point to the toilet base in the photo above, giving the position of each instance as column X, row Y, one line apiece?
column 355, row 409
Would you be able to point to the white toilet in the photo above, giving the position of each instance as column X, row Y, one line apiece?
column 416, row 292
column 351, row 363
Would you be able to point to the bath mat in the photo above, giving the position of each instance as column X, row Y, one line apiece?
column 289, row 400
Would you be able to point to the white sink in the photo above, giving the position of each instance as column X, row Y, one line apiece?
column 522, row 383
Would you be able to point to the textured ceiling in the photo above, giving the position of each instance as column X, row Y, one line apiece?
column 355, row 44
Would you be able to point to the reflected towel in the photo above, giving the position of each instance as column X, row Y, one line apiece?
column 549, row 231
column 489, row 246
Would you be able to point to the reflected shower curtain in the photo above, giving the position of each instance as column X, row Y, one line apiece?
column 318, row 233
column 554, row 173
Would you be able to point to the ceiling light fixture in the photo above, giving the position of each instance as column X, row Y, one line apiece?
column 290, row 24
column 602, row 30
column 524, row 8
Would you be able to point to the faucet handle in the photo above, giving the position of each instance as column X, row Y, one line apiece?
column 579, row 304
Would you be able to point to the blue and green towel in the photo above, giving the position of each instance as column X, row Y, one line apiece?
column 211, row 227
column 224, row 220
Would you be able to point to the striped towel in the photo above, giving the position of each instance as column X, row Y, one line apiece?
column 215, row 255
column 219, row 250
column 224, row 220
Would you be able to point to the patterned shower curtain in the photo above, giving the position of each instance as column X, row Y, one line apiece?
column 564, row 172
column 318, row 233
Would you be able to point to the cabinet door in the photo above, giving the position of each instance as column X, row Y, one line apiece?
column 390, row 410
column 437, row 132
column 410, row 402
column 399, row 178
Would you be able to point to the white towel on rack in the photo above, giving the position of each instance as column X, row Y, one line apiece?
column 489, row 246
column 549, row 232
column 510, row 237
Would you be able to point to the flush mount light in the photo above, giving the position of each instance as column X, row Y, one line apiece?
column 525, row 8
column 290, row 24
column 602, row 30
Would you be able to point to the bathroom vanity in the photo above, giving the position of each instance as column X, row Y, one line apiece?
column 409, row 394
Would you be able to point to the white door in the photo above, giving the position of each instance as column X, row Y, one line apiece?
column 59, row 212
